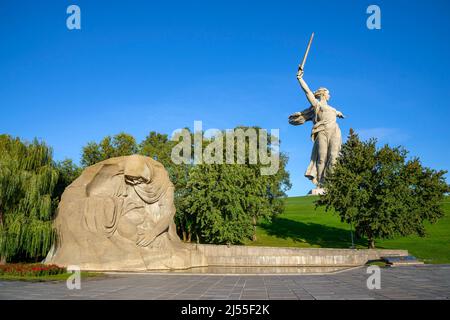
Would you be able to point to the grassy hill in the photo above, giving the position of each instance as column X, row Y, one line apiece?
column 301, row 225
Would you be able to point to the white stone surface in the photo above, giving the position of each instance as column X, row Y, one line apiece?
column 325, row 133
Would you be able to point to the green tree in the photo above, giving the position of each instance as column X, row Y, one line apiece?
column 121, row 144
column 28, row 177
column 91, row 154
column 68, row 172
column 224, row 201
column 157, row 146
column 265, row 193
column 216, row 203
column 381, row 193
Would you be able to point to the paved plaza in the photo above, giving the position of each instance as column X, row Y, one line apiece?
column 411, row 282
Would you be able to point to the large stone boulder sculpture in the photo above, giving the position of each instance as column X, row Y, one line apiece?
column 118, row 215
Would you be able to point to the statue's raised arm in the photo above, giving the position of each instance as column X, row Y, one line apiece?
column 299, row 118
column 309, row 94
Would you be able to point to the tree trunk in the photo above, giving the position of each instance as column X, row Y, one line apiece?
column 371, row 244
column 254, row 229
column 184, row 236
column 254, row 238
column 189, row 237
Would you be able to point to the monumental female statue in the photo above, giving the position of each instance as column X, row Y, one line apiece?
column 325, row 133
column 118, row 215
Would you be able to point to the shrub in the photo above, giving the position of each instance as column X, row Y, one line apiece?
column 35, row 269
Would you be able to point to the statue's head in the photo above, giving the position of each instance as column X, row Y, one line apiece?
column 137, row 171
column 322, row 93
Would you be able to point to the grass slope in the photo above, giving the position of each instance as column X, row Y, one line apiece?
column 303, row 226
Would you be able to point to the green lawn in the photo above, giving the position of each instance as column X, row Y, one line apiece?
column 301, row 225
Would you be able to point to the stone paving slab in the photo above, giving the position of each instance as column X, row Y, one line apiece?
column 406, row 282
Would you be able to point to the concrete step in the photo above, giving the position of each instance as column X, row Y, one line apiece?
column 401, row 261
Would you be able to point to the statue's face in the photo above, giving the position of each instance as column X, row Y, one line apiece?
column 324, row 95
column 136, row 171
column 134, row 180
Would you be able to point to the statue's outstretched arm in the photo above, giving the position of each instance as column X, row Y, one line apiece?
column 299, row 118
column 340, row 114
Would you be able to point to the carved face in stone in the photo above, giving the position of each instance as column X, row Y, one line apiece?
column 133, row 180
column 136, row 171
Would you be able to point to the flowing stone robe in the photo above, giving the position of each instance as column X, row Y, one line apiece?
column 118, row 215
column 326, row 136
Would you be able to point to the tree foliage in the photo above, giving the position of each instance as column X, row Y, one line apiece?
column 121, row 144
column 382, row 193
column 217, row 203
column 28, row 178
column 224, row 201
column 68, row 172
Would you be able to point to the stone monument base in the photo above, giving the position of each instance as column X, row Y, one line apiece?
column 255, row 256
column 206, row 255
column 108, row 256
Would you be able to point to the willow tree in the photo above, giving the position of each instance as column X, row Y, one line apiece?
column 27, row 180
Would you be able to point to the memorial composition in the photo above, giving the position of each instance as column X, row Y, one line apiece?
column 118, row 216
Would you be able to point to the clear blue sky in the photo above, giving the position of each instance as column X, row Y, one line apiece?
column 138, row 66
